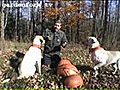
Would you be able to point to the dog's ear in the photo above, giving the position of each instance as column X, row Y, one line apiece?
column 41, row 41
column 92, row 39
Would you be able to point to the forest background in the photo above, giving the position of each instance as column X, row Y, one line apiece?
column 21, row 20
column 80, row 19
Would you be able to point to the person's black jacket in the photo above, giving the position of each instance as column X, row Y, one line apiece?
column 54, row 41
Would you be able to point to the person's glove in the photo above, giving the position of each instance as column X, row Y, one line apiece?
column 49, row 38
column 64, row 45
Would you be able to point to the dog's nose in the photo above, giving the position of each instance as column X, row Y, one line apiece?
column 85, row 43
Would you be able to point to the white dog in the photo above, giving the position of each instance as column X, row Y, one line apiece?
column 103, row 56
column 32, row 56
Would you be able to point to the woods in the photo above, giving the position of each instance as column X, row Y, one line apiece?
column 21, row 20
column 80, row 19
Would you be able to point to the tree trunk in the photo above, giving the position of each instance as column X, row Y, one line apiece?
column 105, row 23
column 94, row 22
column 109, row 27
column 32, row 22
column 42, row 27
column 2, row 22
column 17, row 23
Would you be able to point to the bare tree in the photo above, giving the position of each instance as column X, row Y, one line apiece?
column 105, row 23
column 17, row 21
column 3, row 20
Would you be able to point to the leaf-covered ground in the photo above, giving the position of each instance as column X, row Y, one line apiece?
column 79, row 55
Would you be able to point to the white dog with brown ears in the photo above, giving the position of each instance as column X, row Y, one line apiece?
column 104, row 57
column 32, row 56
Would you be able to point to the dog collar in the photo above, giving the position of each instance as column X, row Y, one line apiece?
column 95, row 49
column 37, row 46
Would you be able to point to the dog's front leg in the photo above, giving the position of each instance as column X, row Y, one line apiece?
column 115, row 66
column 97, row 66
column 39, row 66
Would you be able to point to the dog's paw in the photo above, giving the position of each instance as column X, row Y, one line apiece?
column 19, row 77
column 95, row 68
column 5, row 81
column 96, row 73
column 114, row 72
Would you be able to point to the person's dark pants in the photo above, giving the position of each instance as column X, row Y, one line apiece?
column 52, row 60
column 55, row 59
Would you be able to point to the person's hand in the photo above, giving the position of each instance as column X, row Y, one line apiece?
column 49, row 38
column 64, row 45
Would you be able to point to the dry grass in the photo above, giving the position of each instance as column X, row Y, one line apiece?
column 8, row 49
column 13, row 45
column 77, row 53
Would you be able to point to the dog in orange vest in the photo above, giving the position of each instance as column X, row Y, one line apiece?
column 32, row 57
column 104, row 57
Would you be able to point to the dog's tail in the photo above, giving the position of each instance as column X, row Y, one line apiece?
column 118, row 63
